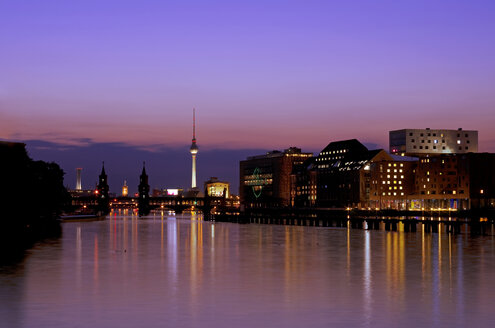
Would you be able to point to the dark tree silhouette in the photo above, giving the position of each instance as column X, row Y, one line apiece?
column 32, row 196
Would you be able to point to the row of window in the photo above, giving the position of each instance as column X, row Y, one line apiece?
column 435, row 147
column 392, row 194
column 445, row 192
column 436, row 141
column 441, row 135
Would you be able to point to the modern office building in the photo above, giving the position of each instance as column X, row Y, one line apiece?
column 344, row 174
column 217, row 188
column 418, row 142
column 265, row 180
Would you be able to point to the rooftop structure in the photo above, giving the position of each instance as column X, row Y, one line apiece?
column 343, row 173
column 416, row 142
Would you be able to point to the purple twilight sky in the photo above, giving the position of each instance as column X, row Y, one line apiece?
column 261, row 74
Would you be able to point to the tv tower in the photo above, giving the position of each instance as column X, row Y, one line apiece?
column 194, row 151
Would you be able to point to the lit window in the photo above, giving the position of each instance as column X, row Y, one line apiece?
column 400, row 171
column 458, row 142
column 401, row 165
column 402, row 194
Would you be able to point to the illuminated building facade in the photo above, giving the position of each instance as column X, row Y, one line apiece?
column 344, row 174
column 443, row 182
column 417, row 142
column 392, row 183
column 216, row 188
column 456, row 181
column 265, row 180
column 304, row 184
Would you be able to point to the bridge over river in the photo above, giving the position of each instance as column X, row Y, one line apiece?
column 177, row 204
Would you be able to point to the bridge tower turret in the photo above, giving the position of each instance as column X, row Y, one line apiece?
column 144, row 193
column 102, row 192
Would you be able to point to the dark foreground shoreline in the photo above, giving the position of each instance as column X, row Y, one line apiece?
column 18, row 235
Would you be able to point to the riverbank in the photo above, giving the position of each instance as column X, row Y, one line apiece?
column 348, row 219
column 19, row 234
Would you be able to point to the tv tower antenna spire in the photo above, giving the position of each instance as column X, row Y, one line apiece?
column 194, row 124
column 193, row 150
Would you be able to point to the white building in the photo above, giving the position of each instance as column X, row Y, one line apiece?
column 417, row 142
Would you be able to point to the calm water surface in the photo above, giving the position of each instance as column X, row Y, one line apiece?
column 168, row 271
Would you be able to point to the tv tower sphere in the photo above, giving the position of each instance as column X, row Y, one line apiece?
column 194, row 151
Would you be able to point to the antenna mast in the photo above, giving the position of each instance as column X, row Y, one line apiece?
column 194, row 124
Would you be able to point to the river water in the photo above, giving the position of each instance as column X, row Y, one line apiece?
column 180, row 271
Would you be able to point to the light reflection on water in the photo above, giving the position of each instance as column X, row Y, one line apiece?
column 184, row 272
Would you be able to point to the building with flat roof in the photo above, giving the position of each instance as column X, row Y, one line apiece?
column 265, row 180
column 418, row 142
